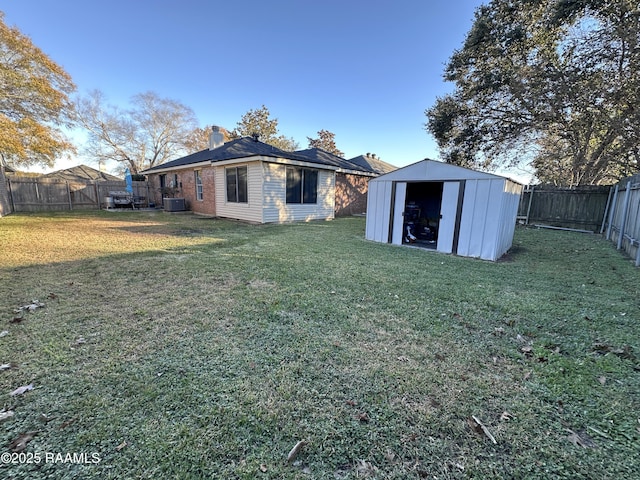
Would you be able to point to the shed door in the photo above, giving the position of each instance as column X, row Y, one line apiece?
column 397, row 212
column 448, row 213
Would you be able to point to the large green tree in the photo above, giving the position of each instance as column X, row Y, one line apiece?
column 258, row 122
column 554, row 83
column 153, row 131
column 34, row 102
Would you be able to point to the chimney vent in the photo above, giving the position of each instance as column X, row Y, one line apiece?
column 216, row 138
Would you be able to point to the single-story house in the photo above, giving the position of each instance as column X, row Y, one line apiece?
column 444, row 207
column 249, row 180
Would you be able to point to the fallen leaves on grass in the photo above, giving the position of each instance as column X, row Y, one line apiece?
column 7, row 366
column 263, row 468
column 506, row 416
column 365, row 469
column 67, row 423
column 351, row 403
column 527, row 350
column 293, row 453
column 623, row 352
column 5, row 414
column 20, row 442
column 4, row 333
column 21, row 390
column 30, row 307
column 580, row 439
column 362, row 417
column 478, row 427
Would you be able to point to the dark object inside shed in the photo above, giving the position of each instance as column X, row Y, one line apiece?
column 422, row 214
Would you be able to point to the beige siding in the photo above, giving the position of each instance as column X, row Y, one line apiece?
column 250, row 211
column 275, row 208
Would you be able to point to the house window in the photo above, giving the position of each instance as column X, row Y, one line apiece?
column 302, row 185
column 174, row 182
column 236, row 184
column 198, row 178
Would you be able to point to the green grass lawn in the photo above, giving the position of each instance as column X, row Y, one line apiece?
column 173, row 346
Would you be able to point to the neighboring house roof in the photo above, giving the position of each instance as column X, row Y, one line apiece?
column 317, row 155
column 373, row 163
column 82, row 173
column 249, row 147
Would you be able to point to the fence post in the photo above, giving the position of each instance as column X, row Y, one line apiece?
column 69, row 195
column 526, row 222
column 625, row 208
column 606, row 211
column 614, row 204
column 13, row 204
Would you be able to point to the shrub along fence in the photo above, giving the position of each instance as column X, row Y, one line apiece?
column 622, row 219
column 42, row 194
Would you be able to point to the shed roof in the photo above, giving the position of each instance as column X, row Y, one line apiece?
column 426, row 170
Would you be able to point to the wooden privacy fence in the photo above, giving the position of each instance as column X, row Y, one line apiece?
column 622, row 220
column 41, row 194
column 580, row 208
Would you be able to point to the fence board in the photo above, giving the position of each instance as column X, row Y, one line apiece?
column 580, row 208
column 42, row 194
column 623, row 222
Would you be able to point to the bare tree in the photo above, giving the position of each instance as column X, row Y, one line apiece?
column 152, row 132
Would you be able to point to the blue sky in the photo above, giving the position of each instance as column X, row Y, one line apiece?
column 364, row 69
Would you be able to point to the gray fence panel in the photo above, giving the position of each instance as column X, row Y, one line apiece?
column 40, row 194
column 623, row 224
column 577, row 208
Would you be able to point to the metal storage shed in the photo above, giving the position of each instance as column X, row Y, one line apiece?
column 444, row 207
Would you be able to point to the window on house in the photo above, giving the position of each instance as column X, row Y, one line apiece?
column 236, row 184
column 198, row 178
column 302, row 185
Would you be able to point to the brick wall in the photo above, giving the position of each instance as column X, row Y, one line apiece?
column 187, row 189
column 351, row 194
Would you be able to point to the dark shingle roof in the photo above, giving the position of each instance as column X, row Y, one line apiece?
column 239, row 148
column 317, row 155
column 374, row 164
column 249, row 147
column 81, row 173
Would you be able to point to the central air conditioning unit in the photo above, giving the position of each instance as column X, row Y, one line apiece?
column 174, row 204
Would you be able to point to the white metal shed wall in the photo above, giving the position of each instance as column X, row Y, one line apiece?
column 378, row 211
column 487, row 219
